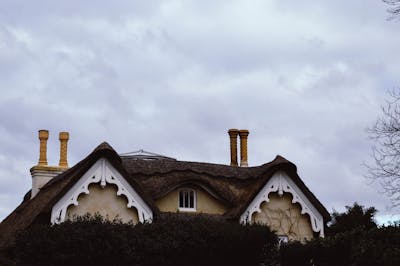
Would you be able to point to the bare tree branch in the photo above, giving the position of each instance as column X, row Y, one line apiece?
column 386, row 148
column 394, row 9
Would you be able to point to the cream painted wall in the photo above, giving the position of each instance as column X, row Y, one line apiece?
column 105, row 202
column 205, row 202
column 281, row 215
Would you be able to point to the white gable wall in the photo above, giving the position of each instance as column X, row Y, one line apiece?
column 102, row 173
column 280, row 182
column 103, row 201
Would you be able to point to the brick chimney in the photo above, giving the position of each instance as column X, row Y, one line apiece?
column 243, row 134
column 42, row 173
column 233, row 133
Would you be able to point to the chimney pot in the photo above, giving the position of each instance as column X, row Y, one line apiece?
column 243, row 134
column 43, row 137
column 63, row 136
column 233, row 133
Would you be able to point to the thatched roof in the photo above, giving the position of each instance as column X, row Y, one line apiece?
column 152, row 179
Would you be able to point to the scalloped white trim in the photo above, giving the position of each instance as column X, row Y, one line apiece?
column 104, row 173
column 280, row 182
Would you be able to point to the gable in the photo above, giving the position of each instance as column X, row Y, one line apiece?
column 103, row 173
column 280, row 182
column 284, row 217
column 103, row 201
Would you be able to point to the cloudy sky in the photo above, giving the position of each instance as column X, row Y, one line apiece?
column 305, row 77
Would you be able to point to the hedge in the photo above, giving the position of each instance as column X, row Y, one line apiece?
column 359, row 247
column 171, row 241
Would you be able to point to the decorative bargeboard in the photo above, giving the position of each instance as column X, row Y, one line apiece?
column 104, row 173
column 280, row 182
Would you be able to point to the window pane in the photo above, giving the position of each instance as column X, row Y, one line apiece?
column 186, row 199
column 191, row 198
column 181, row 199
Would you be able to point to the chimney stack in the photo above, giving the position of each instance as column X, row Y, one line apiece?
column 64, row 136
column 233, row 133
column 43, row 137
column 243, row 147
column 43, row 173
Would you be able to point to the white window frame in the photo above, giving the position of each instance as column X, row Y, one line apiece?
column 189, row 191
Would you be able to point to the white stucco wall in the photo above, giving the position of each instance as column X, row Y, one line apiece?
column 284, row 217
column 105, row 202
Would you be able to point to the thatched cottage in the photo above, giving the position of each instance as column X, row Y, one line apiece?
column 143, row 186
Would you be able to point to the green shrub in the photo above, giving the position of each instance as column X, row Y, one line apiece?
column 171, row 241
column 359, row 247
column 355, row 216
column 5, row 262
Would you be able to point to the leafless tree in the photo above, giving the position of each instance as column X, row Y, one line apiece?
column 394, row 8
column 386, row 149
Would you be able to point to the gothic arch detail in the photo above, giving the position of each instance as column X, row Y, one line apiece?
column 280, row 182
column 104, row 173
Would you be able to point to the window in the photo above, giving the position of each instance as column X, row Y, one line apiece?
column 187, row 200
column 282, row 239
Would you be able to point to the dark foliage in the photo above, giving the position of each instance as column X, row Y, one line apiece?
column 356, row 216
column 359, row 247
column 5, row 261
column 171, row 241
column 353, row 239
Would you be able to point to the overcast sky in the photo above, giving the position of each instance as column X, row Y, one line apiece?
column 305, row 77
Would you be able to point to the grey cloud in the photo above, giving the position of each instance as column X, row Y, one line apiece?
column 21, row 11
column 305, row 78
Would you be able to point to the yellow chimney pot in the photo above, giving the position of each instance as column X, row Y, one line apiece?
column 64, row 137
column 233, row 133
column 43, row 137
column 243, row 134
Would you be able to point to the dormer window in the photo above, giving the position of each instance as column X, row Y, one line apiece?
column 187, row 200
